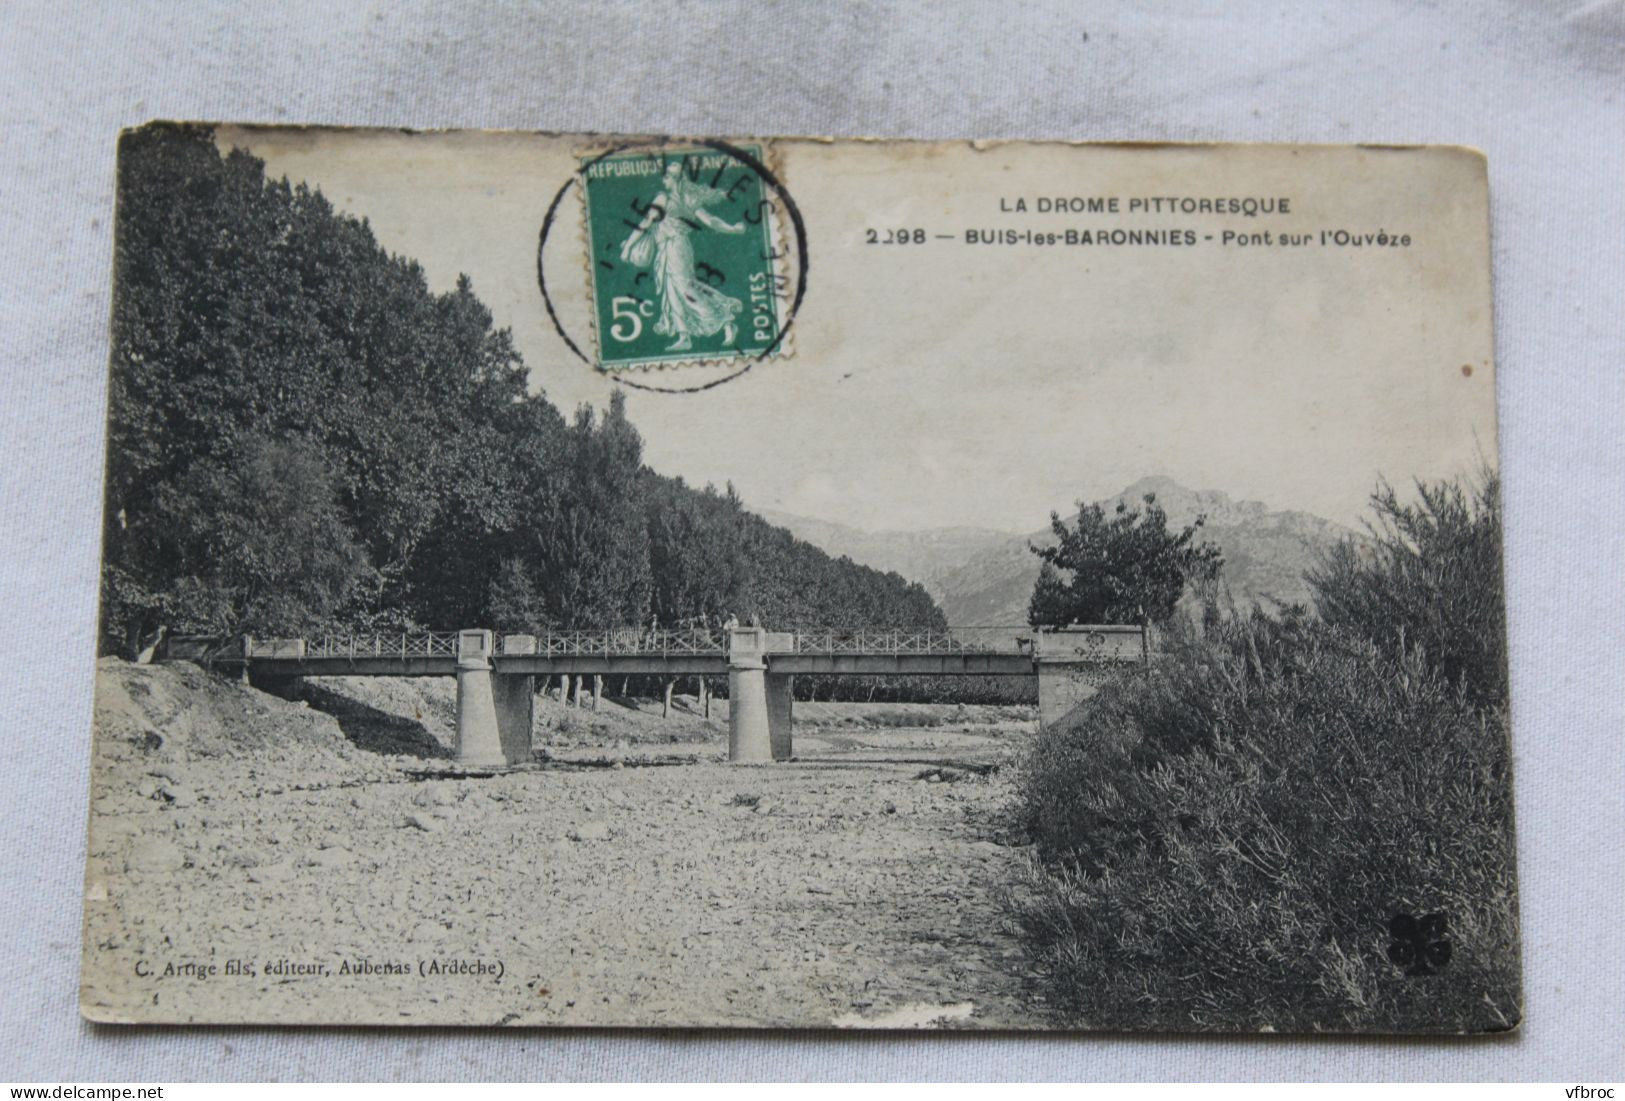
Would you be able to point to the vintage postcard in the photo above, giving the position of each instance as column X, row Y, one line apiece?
column 583, row 580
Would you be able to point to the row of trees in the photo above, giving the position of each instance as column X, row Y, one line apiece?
column 304, row 437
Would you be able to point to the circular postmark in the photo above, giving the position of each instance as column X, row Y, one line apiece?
column 692, row 256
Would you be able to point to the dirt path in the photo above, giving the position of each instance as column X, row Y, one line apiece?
column 846, row 887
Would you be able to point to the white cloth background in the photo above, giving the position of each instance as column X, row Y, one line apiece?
column 1536, row 85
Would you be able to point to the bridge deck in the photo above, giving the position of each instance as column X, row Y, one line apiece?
column 966, row 664
column 848, row 664
column 676, row 652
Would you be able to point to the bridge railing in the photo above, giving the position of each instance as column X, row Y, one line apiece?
column 658, row 641
column 432, row 644
column 625, row 641
column 909, row 640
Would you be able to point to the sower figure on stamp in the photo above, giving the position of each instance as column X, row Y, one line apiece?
column 689, row 306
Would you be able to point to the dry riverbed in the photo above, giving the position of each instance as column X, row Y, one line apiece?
column 632, row 878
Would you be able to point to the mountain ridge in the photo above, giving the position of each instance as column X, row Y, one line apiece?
column 915, row 555
column 982, row 577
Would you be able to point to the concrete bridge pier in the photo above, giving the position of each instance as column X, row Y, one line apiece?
column 759, row 701
column 495, row 711
column 750, row 731
column 780, row 704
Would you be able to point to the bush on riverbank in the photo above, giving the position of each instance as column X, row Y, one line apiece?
column 1226, row 837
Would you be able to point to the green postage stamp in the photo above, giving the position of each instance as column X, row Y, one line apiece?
column 684, row 260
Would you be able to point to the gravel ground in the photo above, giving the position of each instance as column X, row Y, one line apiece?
column 858, row 885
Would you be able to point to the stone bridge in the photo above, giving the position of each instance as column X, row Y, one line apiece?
column 496, row 674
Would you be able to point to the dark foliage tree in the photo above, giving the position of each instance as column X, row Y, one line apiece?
column 1125, row 567
column 1052, row 601
column 303, row 436
column 595, row 552
column 698, row 566
column 514, row 603
column 260, row 547
column 249, row 309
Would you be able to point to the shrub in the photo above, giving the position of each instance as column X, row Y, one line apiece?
column 1225, row 836
column 1430, row 576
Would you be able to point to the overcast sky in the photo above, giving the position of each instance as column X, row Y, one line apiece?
column 950, row 384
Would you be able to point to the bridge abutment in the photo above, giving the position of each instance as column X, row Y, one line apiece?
column 1074, row 662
